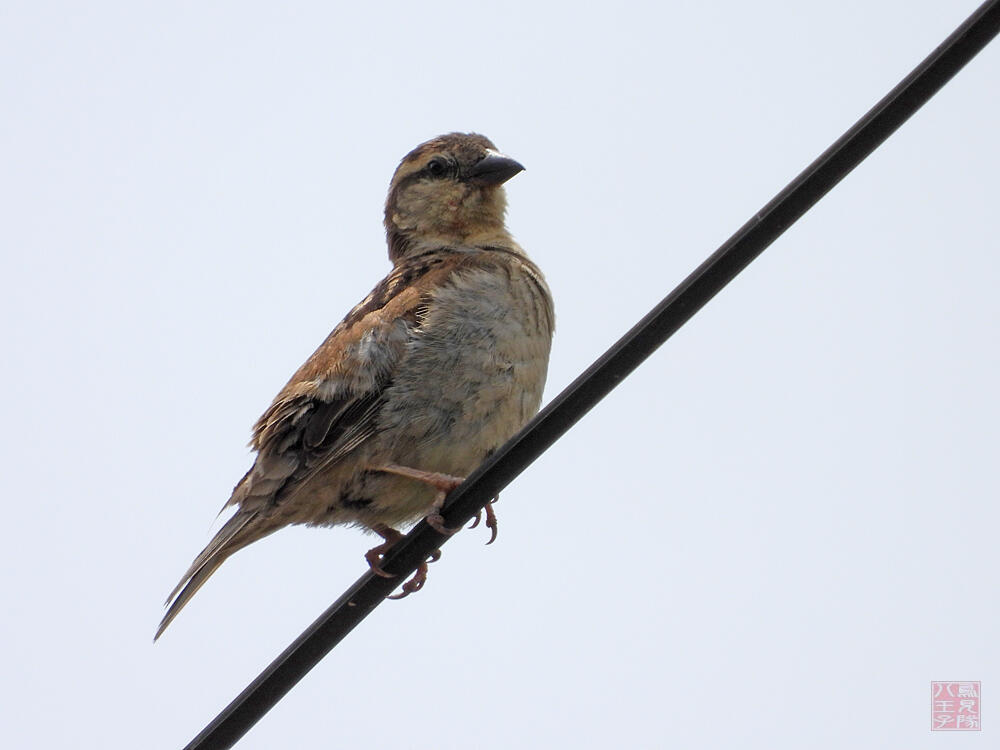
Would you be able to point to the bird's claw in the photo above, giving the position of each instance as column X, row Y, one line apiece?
column 436, row 521
column 377, row 569
column 375, row 555
column 414, row 584
column 491, row 521
column 419, row 577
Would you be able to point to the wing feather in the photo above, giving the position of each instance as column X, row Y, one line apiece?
column 325, row 412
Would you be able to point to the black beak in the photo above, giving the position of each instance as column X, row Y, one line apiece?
column 493, row 170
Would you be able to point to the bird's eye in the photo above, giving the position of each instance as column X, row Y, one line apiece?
column 436, row 167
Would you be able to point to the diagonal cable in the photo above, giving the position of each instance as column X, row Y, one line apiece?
column 606, row 373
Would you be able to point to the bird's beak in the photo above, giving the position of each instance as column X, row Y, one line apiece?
column 493, row 169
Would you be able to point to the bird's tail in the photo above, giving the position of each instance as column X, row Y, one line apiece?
column 239, row 531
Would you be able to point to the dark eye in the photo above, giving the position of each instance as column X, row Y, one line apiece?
column 436, row 167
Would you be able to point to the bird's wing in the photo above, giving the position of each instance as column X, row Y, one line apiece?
column 327, row 410
column 330, row 406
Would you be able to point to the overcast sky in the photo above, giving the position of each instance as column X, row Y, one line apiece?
column 775, row 534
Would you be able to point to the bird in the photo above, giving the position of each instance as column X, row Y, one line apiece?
column 442, row 363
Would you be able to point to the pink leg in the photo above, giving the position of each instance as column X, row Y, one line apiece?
column 443, row 483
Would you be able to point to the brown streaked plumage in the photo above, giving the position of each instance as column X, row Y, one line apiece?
column 436, row 368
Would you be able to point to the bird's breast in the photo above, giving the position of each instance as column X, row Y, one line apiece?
column 473, row 371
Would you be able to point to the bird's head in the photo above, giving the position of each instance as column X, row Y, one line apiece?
column 448, row 191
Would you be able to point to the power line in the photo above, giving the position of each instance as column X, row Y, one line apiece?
column 606, row 373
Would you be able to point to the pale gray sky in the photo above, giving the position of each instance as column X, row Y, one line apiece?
column 775, row 534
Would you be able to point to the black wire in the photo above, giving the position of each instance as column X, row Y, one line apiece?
column 601, row 377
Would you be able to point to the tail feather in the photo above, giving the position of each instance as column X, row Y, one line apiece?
column 236, row 533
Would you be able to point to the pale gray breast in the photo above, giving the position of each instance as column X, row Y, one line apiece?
column 474, row 371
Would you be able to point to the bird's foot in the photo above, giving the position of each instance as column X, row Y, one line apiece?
column 491, row 519
column 419, row 577
column 436, row 521
column 375, row 554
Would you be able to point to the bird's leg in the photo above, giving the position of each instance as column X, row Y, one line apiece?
column 443, row 483
column 375, row 554
column 435, row 520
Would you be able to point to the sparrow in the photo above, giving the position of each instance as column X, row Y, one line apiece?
column 436, row 368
